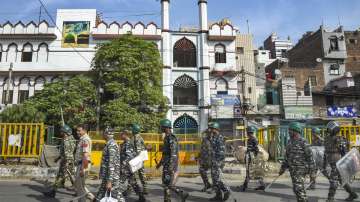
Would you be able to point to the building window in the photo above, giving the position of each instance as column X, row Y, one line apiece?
column 334, row 69
column 220, row 54
column 23, row 95
column 353, row 41
column 312, row 80
column 334, row 44
column 240, row 50
column 284, row 53
column 26, row 57
column 0, row 55
column 269, row 98
column 249, row 90
column 221, row 87
column 184, row 53
column 185, row 91
column 185, row 124
column 10, row 98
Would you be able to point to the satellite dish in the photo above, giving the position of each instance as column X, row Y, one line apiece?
column 318, row 60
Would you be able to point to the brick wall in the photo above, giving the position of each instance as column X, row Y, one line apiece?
column 353, row 50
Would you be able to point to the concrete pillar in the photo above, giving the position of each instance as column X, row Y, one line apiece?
column 204, row 66
column 16, row 90
column 32, row 87
column 166, row 54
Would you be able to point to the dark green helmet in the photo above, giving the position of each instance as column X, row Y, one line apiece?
column 166, row 123
column 251, row 129
column 66, row 129
column 135, row 128
column 296, row 126
column 316, row 130
column 215, row 125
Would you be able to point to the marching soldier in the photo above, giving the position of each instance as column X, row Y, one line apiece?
column 66, row 168
column 83, row 162
column 127, row 152
column 139, row 145
column 251, row 157
column 169, row 161
column 217, row 164
column 299, row 161
column 110, row 169
column 335, row 148
column 205, row 158
column 318, row 141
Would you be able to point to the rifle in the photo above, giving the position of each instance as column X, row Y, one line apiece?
column 247, row 162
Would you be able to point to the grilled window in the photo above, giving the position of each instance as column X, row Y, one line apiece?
column 184, row 53
column 220, row 54
column 185, row 91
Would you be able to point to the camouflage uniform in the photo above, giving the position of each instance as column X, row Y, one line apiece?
column 254, row 164
column 300, row 162
column 84, row 146
column 140, row 146
column 110, row 171
column 335, row 148
column 127, row 153
column 217, row 164
column 170, row 161
column 67, row 168
column 205, row 159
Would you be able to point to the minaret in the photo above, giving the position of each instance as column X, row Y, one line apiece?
column 204, row 66
column 166, row 53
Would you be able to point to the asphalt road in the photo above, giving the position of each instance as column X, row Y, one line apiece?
column 281, row 191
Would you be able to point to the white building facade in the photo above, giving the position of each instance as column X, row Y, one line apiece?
column 40, row 53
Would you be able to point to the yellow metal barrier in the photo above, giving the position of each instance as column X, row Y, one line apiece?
column 26, row 139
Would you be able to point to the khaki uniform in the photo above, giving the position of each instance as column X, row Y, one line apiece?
column 84, row 146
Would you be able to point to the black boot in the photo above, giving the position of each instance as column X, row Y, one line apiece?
column 141, row 198
column 206, row 187
column 352, row 194
column 50, row 194
column 184, row 195
column 217, row 197
column 167, row 195
column 226, row 195
column 244, row 186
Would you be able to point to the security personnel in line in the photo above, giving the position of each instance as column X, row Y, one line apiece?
column 205, row 157
column 139, row 145
column 335, row 148
column 318, row 141
column 253, row 162
column 110, row 169
column 127, row 153
column 67, row 167
column 299, row 160
column 218, row 163
column 83, row 163
column 170, row 161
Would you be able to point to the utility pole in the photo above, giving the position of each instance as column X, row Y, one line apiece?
column 7, row 98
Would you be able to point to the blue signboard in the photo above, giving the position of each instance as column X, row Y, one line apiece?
column 347, row 112
column 225, row 100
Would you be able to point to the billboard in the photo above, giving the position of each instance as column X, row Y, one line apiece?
column 225, row 100
column 347, row 112
column 298, row 112
column 75, row 34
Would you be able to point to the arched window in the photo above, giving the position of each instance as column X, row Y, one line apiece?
column 11, row 53
column 184, row 53
column 43, row 52
column 27, row 53
column 185, row 124
column 24, row 87
column 39, row 84
column 185, row 91
column 221, row 87
column 0, row 52
column 220, row 54
column 8, row 91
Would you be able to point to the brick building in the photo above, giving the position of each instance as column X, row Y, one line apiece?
column 353, row 51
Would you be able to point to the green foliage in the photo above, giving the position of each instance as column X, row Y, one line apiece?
column 21, row 114
column 76, row 96
column 130, row 71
